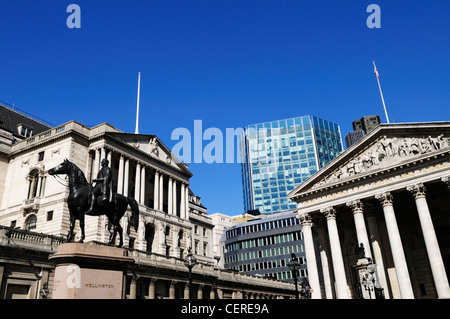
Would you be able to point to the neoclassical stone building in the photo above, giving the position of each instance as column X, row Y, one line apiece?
column 34, row 217
column 390, row 192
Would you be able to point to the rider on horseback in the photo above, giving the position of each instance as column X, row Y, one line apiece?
column 102, row 187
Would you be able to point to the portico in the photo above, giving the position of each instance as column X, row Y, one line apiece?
column 388, row 192
column 150, row 185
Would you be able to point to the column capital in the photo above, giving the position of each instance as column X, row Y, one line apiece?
column 135, row 277
column 305, row 219
column 329, row 212
column 446, row 180
column 417, row 190
column 385, row 199
column 356, row 206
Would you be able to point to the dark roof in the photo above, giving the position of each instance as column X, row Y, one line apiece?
column 10, row 119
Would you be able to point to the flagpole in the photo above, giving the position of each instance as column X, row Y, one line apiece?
column 137, row 107
column 381, row 93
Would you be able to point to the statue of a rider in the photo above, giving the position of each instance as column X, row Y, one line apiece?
column 103, row 187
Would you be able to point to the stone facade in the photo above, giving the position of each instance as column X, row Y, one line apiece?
column 171, row 218
column 390, row 193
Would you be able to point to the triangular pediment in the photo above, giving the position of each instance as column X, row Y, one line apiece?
column 389, row 146
column 152, row 146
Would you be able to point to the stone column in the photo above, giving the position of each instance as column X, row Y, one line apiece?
column 151, row 288
column 336, row 253
column 137, row 183
column 186, row 291
column 120, row 175
column 161, row 191
column 109, row 156
column 142, row 196
column 174, row 205
column 398, row 255
column 89, row 164
column 156, row 191
column 182, row 203
column 186, row 202
column 324, row 249
column 200, row 291
column 169, row 197
column 310, row 255
column 133, row 286
column 98, row 154
column 212, row 294
column 38, row 187
column 375, row 238
column 2, row 269
column 126, row 177
column 172, row 289
column 361, row 232
column 431, row 243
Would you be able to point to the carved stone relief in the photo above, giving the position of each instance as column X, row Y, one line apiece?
column 385, row 150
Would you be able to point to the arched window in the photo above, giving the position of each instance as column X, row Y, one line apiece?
column 30, row 222
column 34, row 184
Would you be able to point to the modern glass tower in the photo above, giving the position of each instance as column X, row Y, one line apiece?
column 279, row 155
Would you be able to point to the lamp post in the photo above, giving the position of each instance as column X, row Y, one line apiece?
column 44, row 291
column 190, row 261
column 294, row 265
column 368, row 280
column 306, row 289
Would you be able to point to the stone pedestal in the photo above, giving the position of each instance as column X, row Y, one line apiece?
column 368, row 282
column 88, row 271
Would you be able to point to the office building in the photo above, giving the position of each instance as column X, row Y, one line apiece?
column 353, row 136
column 263, row 245
column 279, row 155
column 361, row 127
column 366, row 123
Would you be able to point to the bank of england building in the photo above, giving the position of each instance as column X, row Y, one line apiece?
column 35, row 220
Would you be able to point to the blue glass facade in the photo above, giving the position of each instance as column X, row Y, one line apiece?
column 279, row 155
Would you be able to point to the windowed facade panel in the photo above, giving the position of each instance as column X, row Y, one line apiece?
column 277, row 156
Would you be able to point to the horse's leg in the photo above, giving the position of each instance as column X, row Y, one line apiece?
column 120, row 230
column 112, row 235
column 81, row 217
column 71, row 227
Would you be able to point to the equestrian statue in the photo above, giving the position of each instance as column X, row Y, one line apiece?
column 85, row 199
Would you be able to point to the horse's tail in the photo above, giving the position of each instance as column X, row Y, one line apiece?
column 134, row 212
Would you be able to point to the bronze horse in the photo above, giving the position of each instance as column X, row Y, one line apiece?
column 79, row 203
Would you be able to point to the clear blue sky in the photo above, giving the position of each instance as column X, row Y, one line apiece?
column 228, row 63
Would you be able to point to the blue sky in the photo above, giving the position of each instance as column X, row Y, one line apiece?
column 228, row 63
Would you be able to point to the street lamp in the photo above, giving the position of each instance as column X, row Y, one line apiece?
column 368, row 281
column 190, row 261
column 44, row 291
column 306, row 289
column 294, row 265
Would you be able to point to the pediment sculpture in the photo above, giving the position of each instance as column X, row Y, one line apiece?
column 385, row 151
